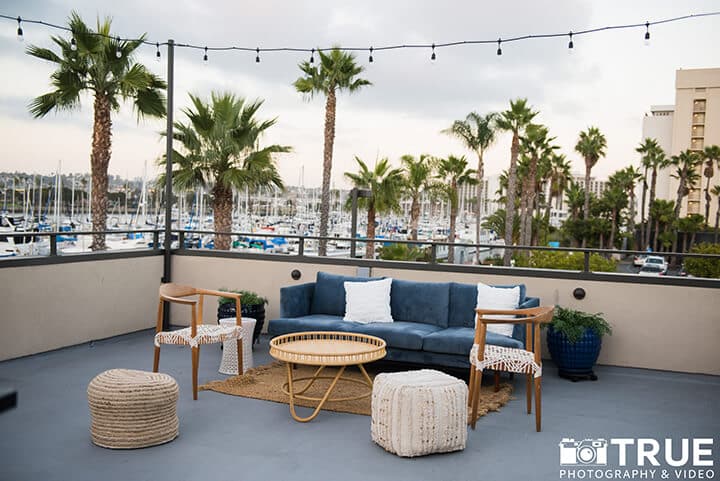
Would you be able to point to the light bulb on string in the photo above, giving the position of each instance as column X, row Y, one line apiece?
column 647, row 34
column 20, row 30
column 257, row 54
column 432, row 57
column 312, row 56
column 118, row 51
column 157, row 52
column 205, row 57
column 499, row 49
column 571, row 45
column 370, row 59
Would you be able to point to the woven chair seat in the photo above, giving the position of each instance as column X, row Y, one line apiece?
column 206, row 334
column 506, row 359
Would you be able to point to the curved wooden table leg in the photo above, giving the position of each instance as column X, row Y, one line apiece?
column 311, row 381
column 365, row 374
column 322, row 401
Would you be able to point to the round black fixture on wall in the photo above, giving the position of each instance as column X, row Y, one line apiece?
column 295, row 274
column 579, row 293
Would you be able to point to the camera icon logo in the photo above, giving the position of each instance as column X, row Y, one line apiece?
column 589, row 452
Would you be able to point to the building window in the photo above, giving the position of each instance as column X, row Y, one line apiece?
column 699, row 105
column 696, row 144
column 698, row 118
column 698, row 131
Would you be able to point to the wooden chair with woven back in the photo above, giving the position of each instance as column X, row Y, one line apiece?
column 197, row 333
column 526, row 361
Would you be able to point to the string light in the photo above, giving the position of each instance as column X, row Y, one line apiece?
column 432, row 57
column 142, row 41
column 205, row 57
column 570, row 44
column 257, row 54
column 312, row 56
column 157, row 51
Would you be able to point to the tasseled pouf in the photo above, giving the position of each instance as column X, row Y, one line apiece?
column 132, row 409
column 415, row 413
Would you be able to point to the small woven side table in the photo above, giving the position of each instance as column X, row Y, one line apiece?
column 229, row 362
column 132, row 409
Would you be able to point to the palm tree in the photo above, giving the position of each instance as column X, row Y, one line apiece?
column 536, row 145
column 627, row 180
column 663, row 213
column 711, row 154
column 686, row 166
column 615, row 199
column 103, row 66
column 591, row 145
column 385, row 185
column 559, row 177
column 691, row 224
column 653, row 158
column 716, row 192
column 452, row 173
column 220, row 151
column 514, row 120
column 336, row 71
column 478, row 133
column 418, row 174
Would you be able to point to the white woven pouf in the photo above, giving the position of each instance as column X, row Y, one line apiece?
column 415, row 413
column 228, row 364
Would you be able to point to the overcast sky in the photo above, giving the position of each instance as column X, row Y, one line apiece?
column 610, row 80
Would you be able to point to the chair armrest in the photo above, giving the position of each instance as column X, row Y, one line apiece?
column 295, row 301
column 179, row 300
column 210, row 292
column 536, row 315
column 519, row 329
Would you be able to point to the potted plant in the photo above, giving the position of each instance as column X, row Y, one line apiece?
column 252, row 305
column 574, row 339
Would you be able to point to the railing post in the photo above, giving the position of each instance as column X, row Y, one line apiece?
column 181, row 239
column 586, row 261
column 433, row 253
column 301, row 246
column 156, row 240
column 353, row 221
column 53, row 244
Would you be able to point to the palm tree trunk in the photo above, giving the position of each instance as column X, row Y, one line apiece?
column 707, row 200
column 717, row 222
column 222, row 212
column 414, row 218
column 586, row 206
column 510, row 198
column 653, row 183
column 99, row 161
column 451, row 235
column 631, row 220
column 524, row 207
column 478, row 204
column 330, row 107
column 611, row 241
column 655, row 237
column 370, row 246
column 643, row 226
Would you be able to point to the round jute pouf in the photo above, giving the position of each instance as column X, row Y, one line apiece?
column 132, row 409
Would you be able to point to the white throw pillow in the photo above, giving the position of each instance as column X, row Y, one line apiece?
column 368, row 301
column 489, row 297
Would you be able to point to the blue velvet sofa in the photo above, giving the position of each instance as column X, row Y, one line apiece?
column 433, row 321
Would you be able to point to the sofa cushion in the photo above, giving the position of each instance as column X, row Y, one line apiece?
column 398, row 334
column 463, row 300
column 459, row 340
column 425, row 302
column 329, row 295
column 313, row 322
column 367, row 302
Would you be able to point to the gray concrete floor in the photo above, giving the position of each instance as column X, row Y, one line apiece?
column 232, row 438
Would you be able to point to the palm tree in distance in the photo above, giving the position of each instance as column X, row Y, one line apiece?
column 336, row 71
column 716, row 192
column 686, row 165
column 452, row 173
column 628, row 179
column 514, row 120
column 220, row 151
column 385, row 185
column 103, row 66
column 418, row 176
column 711, row 155
column 591, row 145
column 478, row 133
column 654, row 158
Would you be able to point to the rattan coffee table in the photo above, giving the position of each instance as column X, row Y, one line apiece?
column 325, row 348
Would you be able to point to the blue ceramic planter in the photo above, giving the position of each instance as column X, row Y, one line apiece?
column 575, row 359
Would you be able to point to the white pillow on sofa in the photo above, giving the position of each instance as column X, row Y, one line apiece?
column 368, row 301
column 489, row 297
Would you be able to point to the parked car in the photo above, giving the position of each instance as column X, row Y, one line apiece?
column 650, row 269
column 639, row 260
column 658, row 261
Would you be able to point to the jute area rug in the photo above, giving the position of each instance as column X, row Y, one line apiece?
column 265, row 382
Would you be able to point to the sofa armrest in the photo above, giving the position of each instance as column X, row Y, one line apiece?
column 295, row 301
column 519, row 329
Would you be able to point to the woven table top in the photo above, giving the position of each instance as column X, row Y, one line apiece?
column 327, row 348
